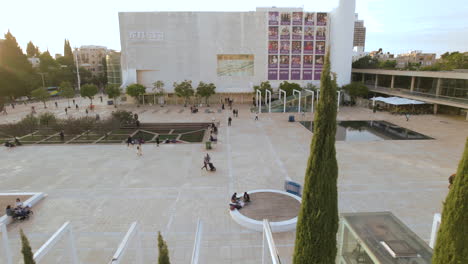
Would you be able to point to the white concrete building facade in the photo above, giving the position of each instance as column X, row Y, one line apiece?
column 236, row 50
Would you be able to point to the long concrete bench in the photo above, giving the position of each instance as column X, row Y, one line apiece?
column 35, row 198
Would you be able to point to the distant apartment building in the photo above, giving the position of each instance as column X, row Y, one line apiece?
column 381, row 56
column 58, row 55
column 92, row 58
column 415, row 56
column 34, row 61
column 359, row 33
column 114, row 73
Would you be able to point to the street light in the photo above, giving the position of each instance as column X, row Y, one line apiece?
column 77, row 69
column 43, row 82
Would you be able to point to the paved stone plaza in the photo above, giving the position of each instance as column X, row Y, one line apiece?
column 103, row 189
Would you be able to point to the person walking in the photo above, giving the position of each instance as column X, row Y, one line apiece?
column 139, row 150
column 86, row 111
column 62, row 136
column 56, row 105
column 73, row 101
column 229, row 121
column 66, row 111
column 206, row 161
column 76, row 106
column 222, row 106
column 256, row 116
column 157, row 141
column 407, row 117
column 129, row 141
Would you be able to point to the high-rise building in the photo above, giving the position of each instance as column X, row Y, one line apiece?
column 236, row 50
column 114, row 73
column 92, row 58
column 359, row 34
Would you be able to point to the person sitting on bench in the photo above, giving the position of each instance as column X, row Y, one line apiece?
column 9, row 211
column 246, row 197
column 234, row 198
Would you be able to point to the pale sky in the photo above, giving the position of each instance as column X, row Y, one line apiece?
column 394, row 25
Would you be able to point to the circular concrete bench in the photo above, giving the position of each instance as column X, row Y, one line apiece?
column 279, row 207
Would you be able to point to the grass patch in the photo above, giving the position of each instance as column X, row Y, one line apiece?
column 57, row 138
column 145, row 136
column 90, row 137
column 170, row 136
column 109, row 142
column 34, row 138
column 184, row 130
column 196, row 136
column 124, row 131
column 159, row 131
column 117, row 137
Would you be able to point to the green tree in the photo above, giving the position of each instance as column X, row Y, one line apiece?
column 31, row 50
column 387, row 64
column 356, row 89
column 158, row 87
column 113, row 91
column 89, row 90
column 318, row 217
column 29, row 123
column 452, row 239
column 47, row 63
column 135, row 90
column 68, row 58
column 17, row 75
column 41, row 94
column 289, row 87
column 184, row 90
column 206, row 90
column 366, row 62
column 28, row 256
column 67, row 91
column 163, row 250
column 46, row 119
column 263, row 87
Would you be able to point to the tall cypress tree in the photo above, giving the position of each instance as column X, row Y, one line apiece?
column 68, row 53
column 318, row 218
column 14, row 63
column 163, row 251
column 31, row 49
column 452, row 238
column 28, row 256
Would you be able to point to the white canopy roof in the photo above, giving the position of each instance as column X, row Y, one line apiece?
column 397, row 100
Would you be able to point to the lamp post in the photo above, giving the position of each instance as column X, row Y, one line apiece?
column 77, row 69
column 42, row 75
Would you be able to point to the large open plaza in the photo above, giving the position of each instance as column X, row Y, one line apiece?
column 102, row 189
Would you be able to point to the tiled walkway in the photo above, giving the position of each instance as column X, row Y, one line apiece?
column 103, row 189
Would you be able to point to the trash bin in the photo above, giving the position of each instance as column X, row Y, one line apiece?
column 208, row 144
column 110, row 102
column 291, row 118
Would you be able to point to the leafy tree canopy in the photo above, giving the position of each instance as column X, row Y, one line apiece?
column 289, row 87
column 41, row 94
column 135, row 90
column 206, row 90
column 356, row 89
column 184, row 90
column 89, row 90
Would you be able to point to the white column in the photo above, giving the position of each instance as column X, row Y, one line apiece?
column 281, row 91
column 259, row 101
column 312, row 106
column 299, row 106
column 268, row 97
